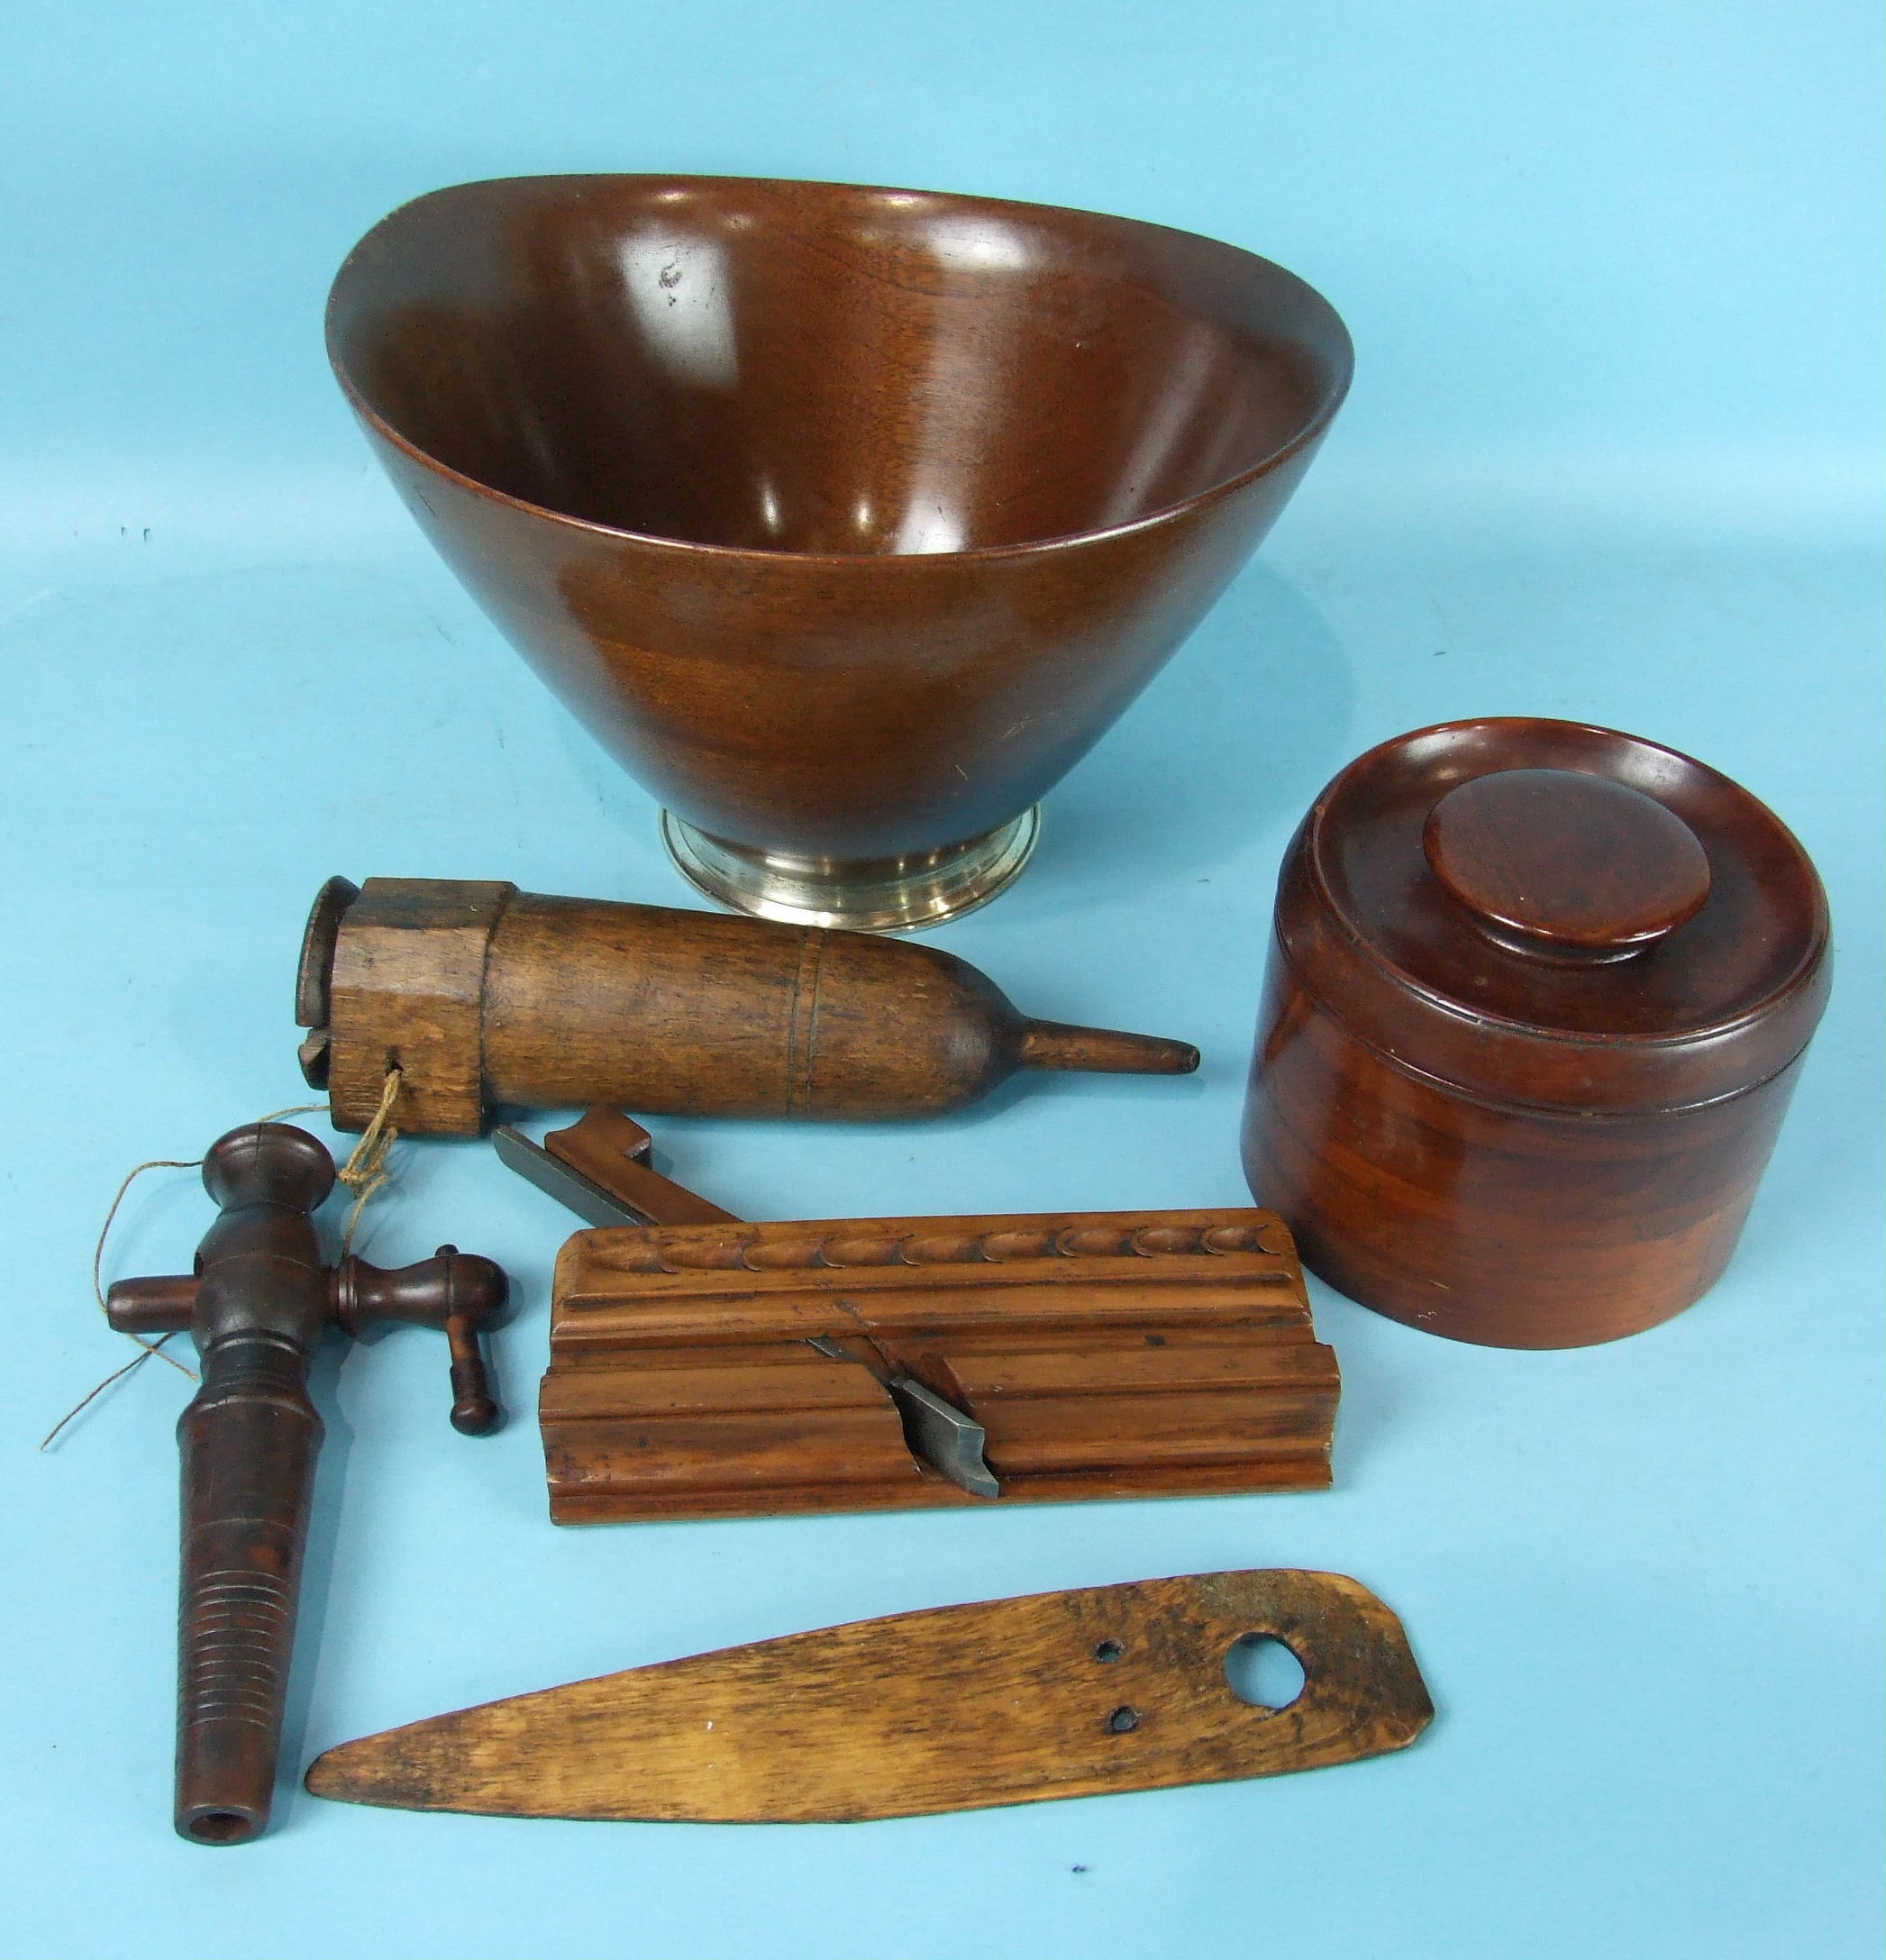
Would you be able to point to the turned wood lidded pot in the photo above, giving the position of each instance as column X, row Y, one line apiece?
column 1537, row 999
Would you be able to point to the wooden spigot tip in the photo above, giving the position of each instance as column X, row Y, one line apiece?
column 1054, row 1044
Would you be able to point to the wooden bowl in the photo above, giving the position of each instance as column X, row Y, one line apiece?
column 847, row 519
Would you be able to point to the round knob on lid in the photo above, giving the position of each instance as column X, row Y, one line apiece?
column 1563, row 865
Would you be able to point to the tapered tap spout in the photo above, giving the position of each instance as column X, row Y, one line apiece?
column 1106, row 1051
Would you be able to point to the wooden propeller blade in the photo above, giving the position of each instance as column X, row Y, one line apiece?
column 1062, row 1694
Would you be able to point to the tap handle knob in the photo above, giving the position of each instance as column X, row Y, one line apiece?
column 457, row 1292
column 474, row 1408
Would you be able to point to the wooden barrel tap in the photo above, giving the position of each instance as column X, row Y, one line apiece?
column 261, row 1298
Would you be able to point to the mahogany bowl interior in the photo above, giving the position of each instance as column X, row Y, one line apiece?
column 826, row 369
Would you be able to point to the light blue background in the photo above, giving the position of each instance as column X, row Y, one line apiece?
column 1613, row 276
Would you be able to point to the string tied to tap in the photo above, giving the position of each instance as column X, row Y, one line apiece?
column 366, row 1172
column 368, row 1169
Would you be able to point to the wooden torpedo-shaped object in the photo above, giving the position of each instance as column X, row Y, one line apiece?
column 1060, row 1694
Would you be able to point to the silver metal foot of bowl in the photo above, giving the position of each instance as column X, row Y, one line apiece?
column 872, row 895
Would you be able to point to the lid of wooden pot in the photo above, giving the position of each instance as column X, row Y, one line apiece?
column 1556, row 916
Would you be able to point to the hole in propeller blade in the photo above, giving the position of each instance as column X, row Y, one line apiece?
column 1262, row 1671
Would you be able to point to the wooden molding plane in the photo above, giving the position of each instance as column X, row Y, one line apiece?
column 730, row 1370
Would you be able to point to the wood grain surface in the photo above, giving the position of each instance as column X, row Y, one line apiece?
column 1105, row 1355
column 847, row 519
column 487, row 997
column 258, row 1305
column 1537, row 1003
column 1062, row 1694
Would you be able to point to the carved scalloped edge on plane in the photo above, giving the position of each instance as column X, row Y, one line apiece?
column 1150, row 1235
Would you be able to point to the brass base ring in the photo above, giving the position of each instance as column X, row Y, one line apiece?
column 872, row 895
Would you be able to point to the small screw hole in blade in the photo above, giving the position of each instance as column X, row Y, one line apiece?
column 1122, row 1719
column 1109, row 1650
column 1262, row 1671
